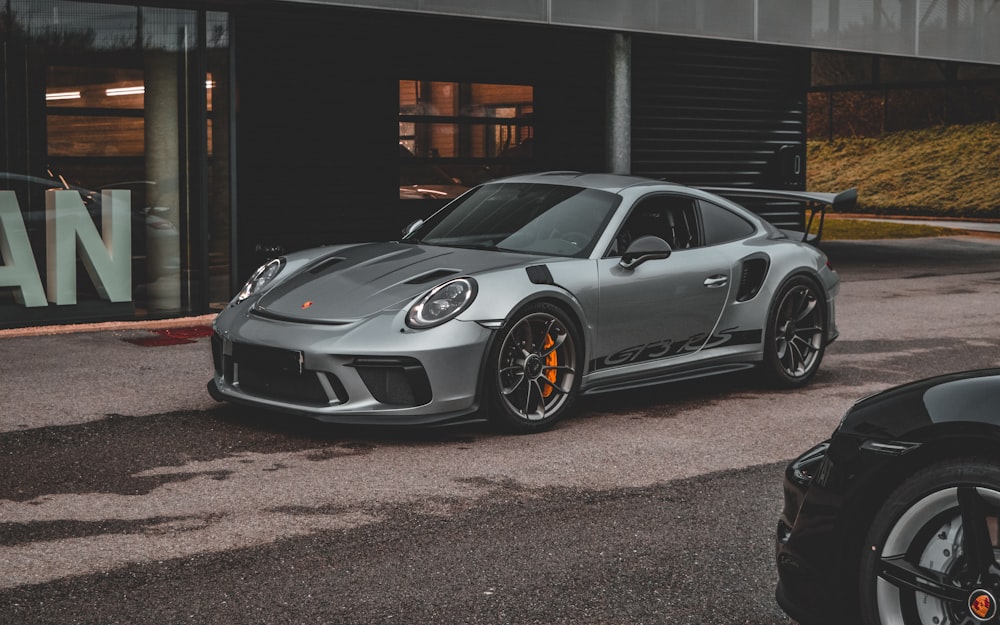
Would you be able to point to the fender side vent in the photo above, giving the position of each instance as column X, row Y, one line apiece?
column 751, row 278
column 539, row 274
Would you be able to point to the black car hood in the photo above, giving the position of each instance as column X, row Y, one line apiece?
column 356, row 282
column 969, row 396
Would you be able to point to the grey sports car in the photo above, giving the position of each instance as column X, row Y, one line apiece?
column 525, row 293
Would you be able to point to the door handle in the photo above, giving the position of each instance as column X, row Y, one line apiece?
column 714, row 282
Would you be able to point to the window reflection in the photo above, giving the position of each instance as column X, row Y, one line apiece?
column 108, row 102
column 453, row 135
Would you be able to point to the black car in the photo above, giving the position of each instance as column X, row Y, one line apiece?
column 894, row 520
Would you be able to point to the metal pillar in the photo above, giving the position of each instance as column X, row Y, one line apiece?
column 619, row 146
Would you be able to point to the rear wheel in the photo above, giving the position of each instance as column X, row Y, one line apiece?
column 930, row 557
column 795, row 337
column 535, row 369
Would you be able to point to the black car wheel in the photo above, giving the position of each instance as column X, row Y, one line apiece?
column 930, row 557
column 535, row 369
column 796, row 329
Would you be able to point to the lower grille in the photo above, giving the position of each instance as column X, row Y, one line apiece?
column 305, row 388
column 274, row 373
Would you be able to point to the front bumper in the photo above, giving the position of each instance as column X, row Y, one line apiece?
column 369, row 372
column 806, row 588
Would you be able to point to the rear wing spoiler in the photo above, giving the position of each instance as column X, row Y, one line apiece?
column 795, row 212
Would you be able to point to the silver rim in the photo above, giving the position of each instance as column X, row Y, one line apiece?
column 798, row 331
column 938, row 556
column 537, row 367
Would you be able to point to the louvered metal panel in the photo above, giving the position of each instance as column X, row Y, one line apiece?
column 719, row 113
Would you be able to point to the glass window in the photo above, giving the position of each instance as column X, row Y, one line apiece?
column 453, row 136
column 839, row 68
column 106, row 102
column 219, row 105
column 904, row 70
column 722, row 225
column 532, row 218
column 668, row 217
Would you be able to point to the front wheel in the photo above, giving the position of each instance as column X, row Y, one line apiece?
column 930, row 557
column 795, row 337
column 535, row 369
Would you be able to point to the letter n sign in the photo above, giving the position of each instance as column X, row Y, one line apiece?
column 108, row 261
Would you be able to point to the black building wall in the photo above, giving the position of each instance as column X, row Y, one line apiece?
column 311, row 113
column 708, row 112
column 317, row 113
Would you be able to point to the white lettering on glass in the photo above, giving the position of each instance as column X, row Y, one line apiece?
column 108, row 261
column 19, row 269
column 69, row 233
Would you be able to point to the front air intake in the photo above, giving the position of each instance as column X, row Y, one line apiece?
column 397, row 381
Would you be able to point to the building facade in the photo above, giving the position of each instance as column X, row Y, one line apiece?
column 155, row 154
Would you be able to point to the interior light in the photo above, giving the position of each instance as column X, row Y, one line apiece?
column 125, row 91
column 63, row 95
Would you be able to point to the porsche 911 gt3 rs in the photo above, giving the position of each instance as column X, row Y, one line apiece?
column 525, row 293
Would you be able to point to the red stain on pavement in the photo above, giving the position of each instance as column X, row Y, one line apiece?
column 172, row 336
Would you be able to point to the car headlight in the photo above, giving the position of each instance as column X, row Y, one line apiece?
column 442, row 303
column 264, row 274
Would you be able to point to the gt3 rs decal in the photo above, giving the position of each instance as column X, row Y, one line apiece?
column 668, row 348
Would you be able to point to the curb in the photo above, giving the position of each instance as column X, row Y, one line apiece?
column 104, row 326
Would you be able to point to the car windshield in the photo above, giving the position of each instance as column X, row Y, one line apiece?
column 532, row 218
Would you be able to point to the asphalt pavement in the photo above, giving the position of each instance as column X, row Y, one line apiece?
column 127, row 495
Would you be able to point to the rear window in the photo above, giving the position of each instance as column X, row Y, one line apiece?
column 722, row 225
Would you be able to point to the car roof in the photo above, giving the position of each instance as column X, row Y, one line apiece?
column 612, row 183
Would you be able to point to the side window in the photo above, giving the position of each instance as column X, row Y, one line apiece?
column 722, row 225
column 669, row 217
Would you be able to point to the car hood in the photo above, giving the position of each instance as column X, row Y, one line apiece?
column 355, row 282
column 899, row 412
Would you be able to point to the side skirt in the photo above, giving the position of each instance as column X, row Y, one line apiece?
column 677, row 376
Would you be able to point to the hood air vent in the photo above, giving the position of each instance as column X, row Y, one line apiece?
column 325, row 263
column 433, row 276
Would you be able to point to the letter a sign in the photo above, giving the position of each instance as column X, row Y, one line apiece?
column 19, row 269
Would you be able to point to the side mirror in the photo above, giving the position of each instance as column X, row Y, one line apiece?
column 413, row 227
column 642, row 249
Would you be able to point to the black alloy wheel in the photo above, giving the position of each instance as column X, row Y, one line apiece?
column 930, row 557
column 795, row 339
column 535, row 369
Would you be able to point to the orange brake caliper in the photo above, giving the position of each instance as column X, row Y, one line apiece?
column 550, row 361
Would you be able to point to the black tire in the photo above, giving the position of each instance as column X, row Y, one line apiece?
column 795, row 336
column 534, row 369
column 934, row 532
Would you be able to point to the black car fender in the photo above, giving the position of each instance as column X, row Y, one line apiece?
column 881, row 441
